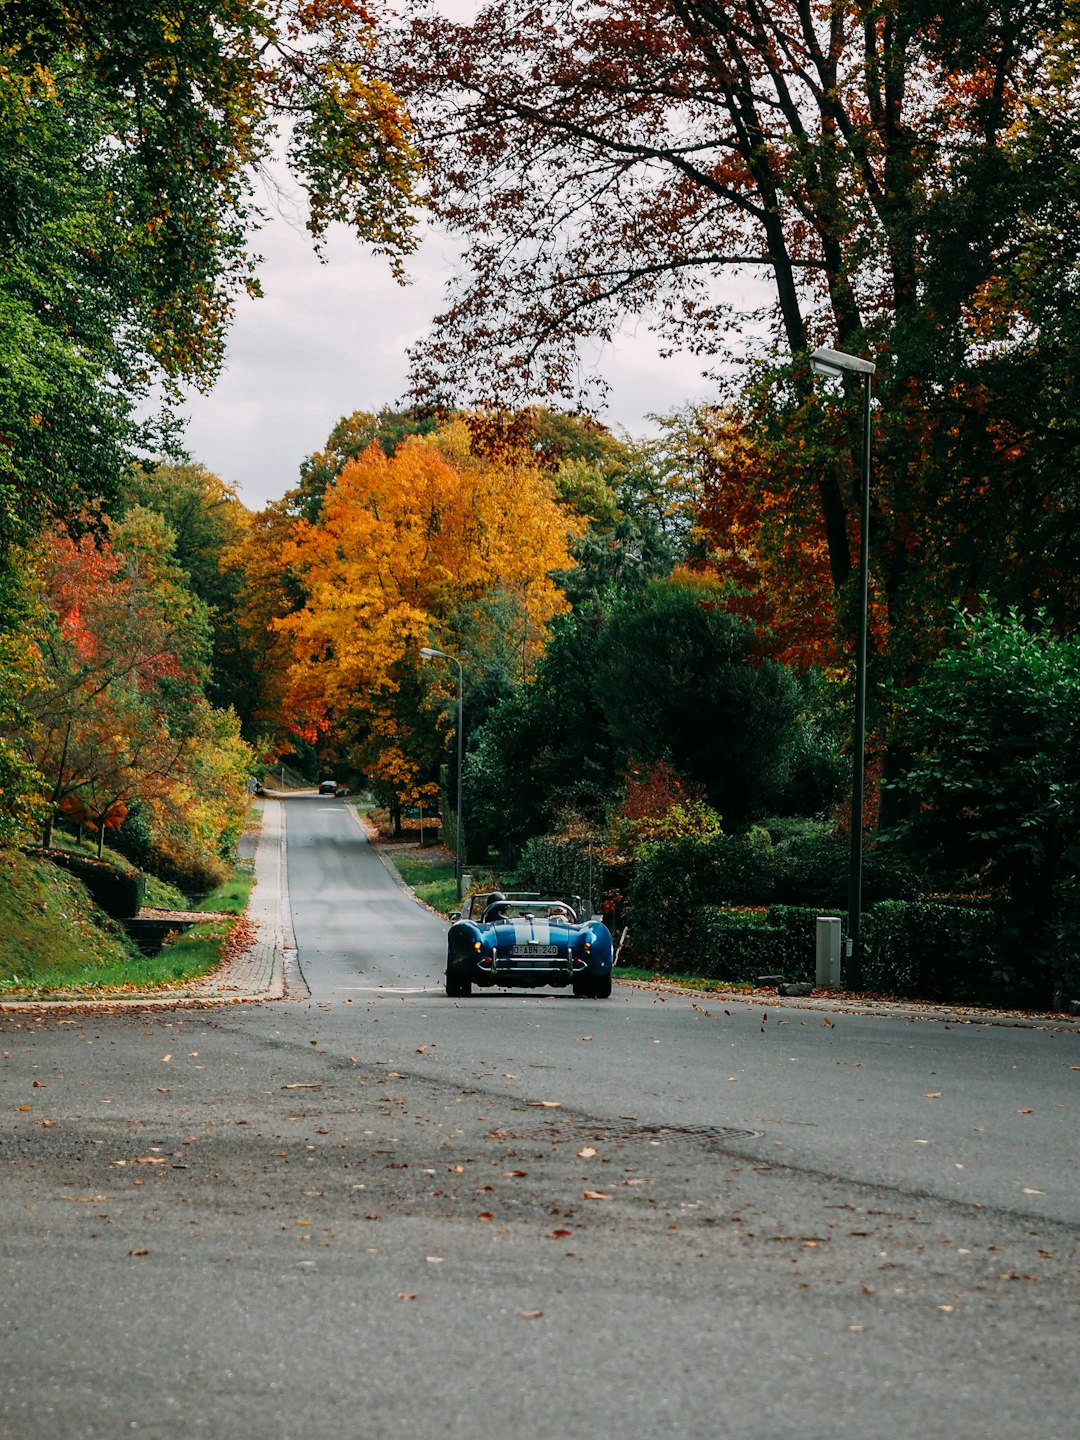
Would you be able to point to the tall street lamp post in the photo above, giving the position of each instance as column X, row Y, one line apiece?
column 835, row 363
column 430, row 654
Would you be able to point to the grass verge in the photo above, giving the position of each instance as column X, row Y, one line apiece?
column 54, row 943
column 432, row 880
column 685, row 982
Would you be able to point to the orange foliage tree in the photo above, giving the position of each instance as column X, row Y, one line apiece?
column 405, row 551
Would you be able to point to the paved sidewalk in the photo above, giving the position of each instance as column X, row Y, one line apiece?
column 258, row 973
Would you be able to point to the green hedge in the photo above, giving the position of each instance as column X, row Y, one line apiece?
column 741, row 945
column 556, row 865
column 936, row 951
column 118, row 892
column 927, row 950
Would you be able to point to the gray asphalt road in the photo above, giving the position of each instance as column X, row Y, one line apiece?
column 381, row 1212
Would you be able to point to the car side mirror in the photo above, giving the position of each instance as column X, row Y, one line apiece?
column 455, row 914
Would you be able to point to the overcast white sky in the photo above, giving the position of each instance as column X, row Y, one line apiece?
column 330, row 339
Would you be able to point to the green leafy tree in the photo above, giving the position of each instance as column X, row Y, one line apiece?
column 209, row 525
column 992, row 789
column 130, row 139
column 679, row 680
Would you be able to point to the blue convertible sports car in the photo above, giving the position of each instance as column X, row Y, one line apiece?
column 528, row 939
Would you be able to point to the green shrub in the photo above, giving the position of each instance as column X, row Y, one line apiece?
column 116, row 891
column 133, row 837
column 740, row 945
column 568, row 865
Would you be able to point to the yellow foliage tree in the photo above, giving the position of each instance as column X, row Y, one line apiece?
column 402, row 548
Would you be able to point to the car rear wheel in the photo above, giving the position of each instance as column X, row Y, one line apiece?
column 457, row 988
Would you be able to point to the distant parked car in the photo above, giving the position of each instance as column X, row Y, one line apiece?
column 520, row 939
column 327, row 787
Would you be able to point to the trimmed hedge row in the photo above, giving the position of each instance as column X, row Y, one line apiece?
column 916, row 948
column 738, row 946
column 671, row 881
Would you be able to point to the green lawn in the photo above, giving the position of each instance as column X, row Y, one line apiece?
column 433, row 880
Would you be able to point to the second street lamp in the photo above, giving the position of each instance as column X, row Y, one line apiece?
column 429, row 653
column 836, row 363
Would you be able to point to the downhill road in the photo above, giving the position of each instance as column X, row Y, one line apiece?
column 380, row 1212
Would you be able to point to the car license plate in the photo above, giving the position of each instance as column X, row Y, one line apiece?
column 535, row 950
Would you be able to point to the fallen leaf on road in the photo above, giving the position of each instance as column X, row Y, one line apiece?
column 26, row 1107
column 165, row 1059
column 138, row 1252
column 456, row 1169
column 827, row 1020
column 47, row 1124
column 485, row 1215
column 1033, row 1192
column 545, row 1104
column 946, row 1309
column 530, row 1314
column 408, row 1294
column 586, row 1037
column 421, row 1049
column 40, row 1085
column 163, row 1090
column 434, row 1259
column 587, row 1153
column 299, row 1086
column 513, row 1174
column 1025, row 1112
column 594, row 1195
column 559, row 1234
column 933, row 1095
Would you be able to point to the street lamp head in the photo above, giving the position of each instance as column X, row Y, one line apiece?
column 834, row 362
column 429, row 654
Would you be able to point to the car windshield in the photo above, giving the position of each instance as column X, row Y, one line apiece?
column 483, row 907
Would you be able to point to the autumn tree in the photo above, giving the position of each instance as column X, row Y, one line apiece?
column 122, row 652
column 756, row 180
column 267, row 592
column 404, row 547
column 347, row 441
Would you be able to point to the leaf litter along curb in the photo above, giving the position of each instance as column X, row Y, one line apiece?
column 845, row 1002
